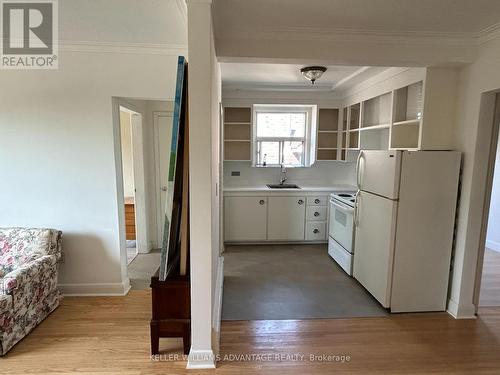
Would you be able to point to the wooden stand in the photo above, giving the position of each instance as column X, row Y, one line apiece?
column 171, row 308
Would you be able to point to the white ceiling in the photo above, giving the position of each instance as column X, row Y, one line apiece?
column 287, row 77
column 397, row 16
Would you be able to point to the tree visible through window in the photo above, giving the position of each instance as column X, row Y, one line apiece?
column 281, row 138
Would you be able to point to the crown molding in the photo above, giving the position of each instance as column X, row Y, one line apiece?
column 353, row 35
column 169, row 49
column 283, row 87
column 181, row 4
column 368, row 35
column 489, row 33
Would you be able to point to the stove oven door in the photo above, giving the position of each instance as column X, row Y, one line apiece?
column 341, row 226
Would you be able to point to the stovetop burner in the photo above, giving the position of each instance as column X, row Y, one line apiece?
column 346, row 197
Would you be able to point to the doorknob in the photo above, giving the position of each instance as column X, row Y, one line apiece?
column 164, row 188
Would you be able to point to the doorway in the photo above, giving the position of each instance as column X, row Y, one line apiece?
column 489, row 290
column 131, row 151
column 162, row 122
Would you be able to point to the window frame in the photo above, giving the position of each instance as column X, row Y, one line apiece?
column 308, row 110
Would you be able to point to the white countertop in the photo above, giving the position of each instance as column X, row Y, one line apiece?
column 232, row 190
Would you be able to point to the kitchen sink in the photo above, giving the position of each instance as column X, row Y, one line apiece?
column 284, row 186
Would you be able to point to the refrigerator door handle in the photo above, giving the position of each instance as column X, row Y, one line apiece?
column 358, row 167
column 356, row 222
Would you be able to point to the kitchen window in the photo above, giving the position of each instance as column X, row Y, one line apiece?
column 282, row 135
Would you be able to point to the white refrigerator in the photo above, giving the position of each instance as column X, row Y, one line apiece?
column 405, row 217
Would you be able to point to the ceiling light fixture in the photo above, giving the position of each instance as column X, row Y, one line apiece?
column 312, row 73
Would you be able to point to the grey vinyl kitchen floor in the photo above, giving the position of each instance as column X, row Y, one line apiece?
column 290, row 282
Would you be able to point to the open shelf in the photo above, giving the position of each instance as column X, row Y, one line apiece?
column 328, row 119
column 237, row 150
column 355, row 111
column 327, row 140
column 326, row 154
column 237, row 133
column 377, row 111
column 405, row 136
column 328, row 134
column 375, row 127
column 408, row 103
column 374, row 139
column 407, row 122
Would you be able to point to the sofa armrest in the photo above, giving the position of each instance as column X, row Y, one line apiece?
column 39, row 271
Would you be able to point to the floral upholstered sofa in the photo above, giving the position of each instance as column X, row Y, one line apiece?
column 28, row 280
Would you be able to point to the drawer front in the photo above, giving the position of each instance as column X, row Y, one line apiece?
column 315, row 231
column 316, row 213
column 317, row 201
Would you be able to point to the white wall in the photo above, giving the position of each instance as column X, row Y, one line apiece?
column 57, row 144
column 493, row 236
column 321, row 173
column 473, row 138
column 127, row 154
column 202, row 87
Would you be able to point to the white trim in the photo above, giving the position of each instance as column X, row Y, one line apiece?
column 159, row 214
column 490, row 33
column 201, row 359
column 181, row 4
column 493, row 245
column 101, row 289
column 137, row 123
column 170, row 49
column 461, row 311
column 217, row 313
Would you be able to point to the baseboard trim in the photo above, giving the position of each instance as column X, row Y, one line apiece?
column 200, row 359
column 217, row 313
column 102, row 289
column 492, row 245
column 460, row 311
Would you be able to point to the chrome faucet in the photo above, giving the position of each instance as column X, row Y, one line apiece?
column 283, row 177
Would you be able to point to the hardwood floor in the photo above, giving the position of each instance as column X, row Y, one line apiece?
column 490, row 283
column 110, row 335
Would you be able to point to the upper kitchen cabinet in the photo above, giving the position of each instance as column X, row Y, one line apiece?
column 328, row 134
column 237, row 133
column 412, row 110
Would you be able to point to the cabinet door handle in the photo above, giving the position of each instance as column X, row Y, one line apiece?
column 316, row 201
column 262, row 201
column 316, row 230
column 316, row 213
column 300, row 201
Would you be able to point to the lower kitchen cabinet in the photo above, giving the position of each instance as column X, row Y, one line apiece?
column 286, row 218
column 315, row 231
column 245, row 218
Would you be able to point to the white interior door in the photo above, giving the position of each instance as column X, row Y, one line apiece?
column 163, row 140
column 374, row 245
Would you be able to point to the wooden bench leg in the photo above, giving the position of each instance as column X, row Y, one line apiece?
column 155, row 338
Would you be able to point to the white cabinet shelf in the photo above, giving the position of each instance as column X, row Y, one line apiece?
column 237, row 133
column 417, row 114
